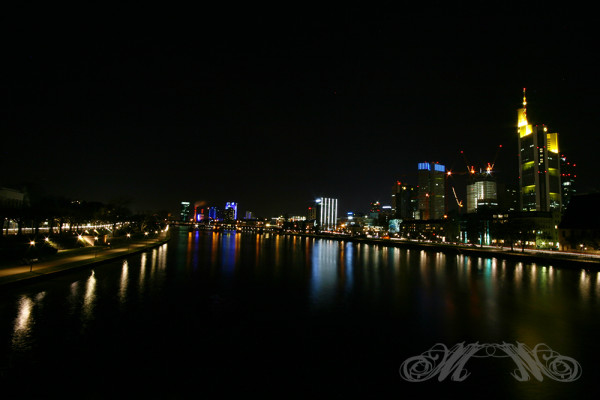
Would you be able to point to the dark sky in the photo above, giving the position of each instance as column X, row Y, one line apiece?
column 273, row 107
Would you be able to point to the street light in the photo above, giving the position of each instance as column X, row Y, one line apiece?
column 32, row 243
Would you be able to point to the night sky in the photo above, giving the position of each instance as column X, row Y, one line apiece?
column 274, row 107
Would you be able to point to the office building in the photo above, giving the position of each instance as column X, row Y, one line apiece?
column 215, row 214
column 539, row 165
column 481, row 192
column 324, row 212
column 567, row 178
column 404, row 200
column 185, row 213
column 375, row 207
column 231, row 211
column 200, row 214
column 431, row 190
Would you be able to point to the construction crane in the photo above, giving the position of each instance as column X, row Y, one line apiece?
column 471, row 171
column 490, row 165
column 459, row 202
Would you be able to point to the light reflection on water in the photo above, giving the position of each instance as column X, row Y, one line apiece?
column 230, row 251
column 143, row 260
column 124, row 281
column 89, row 297
column 424, row 297
column 324, row 272
column 23, row 324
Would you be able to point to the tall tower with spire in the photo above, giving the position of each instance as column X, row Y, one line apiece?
column 539, row 165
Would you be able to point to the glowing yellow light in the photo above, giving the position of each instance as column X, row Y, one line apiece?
column 552, row 142
column 32, row 243
column 527, row 165
column 529, row 189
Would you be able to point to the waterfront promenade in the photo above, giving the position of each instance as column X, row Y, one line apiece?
column 69, row 259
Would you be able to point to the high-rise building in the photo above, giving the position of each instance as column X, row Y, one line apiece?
column 200, row 214
column 311, row 213
column 539, row 165
column 215, row 214
column 508, row 197
column 375, row 207
column 481, row 192
column 229, row 214
column 567, row 178
column 431, row 190
column 324, row 212
column 231, row 210
column 185, row 211
column 404, row 199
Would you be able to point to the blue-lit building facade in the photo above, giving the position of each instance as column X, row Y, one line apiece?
column 215, row 214
column 231, row 211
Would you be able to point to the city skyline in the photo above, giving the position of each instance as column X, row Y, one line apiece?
column 275, row 112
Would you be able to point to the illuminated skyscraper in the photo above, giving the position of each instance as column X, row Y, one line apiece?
column 481, row 192
column 200, row 214
column 567, row 178
column 404, row 199
column 215, row 214
column 325, row 213
column 375, row 207
column 431, row 190
column 231, row 210
column 185, row 211
column 539, row 165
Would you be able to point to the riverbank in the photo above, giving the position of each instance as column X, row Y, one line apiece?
column 555, row 258
column 68, row 260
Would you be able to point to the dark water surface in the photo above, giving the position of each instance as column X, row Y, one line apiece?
column 215, row 314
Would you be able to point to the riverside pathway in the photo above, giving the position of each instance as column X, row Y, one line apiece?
column 69, row 259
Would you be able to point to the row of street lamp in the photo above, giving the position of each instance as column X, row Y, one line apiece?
column 80, row 237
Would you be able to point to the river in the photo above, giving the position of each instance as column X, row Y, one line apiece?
column 215, row 314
